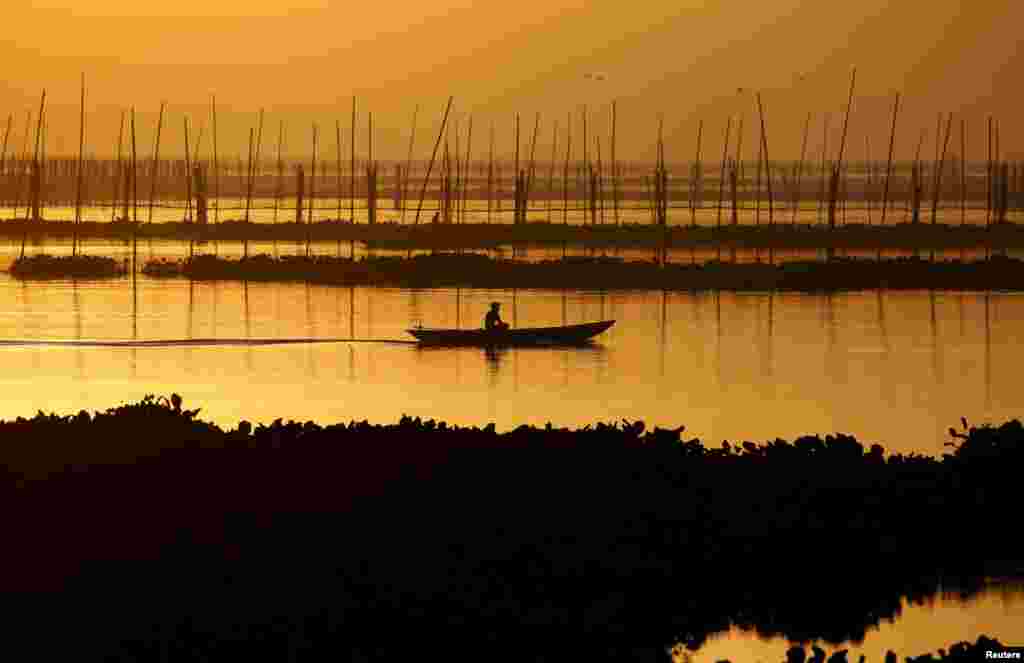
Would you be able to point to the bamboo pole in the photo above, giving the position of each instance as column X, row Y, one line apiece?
column 433, row 156
column 135, row 198
column 516, row 174
column 757, row 181
column 869, row 175
column 37, row 166
column 888, row 167
column 35, row 162
column 963, row 171
column 3, row 155
column 824, row 166
column 337, row 174
column 586, row 164
column 490, row 175
column 800, row 168
column 248, row 174
column 838, row 169
column 458, row 172
column 408, row 163
column 938, row 145
column 916, row 187
column 615, row 169
column 940, row 167
column 600, row 179
column 938, row 175
column 118, row 174
column 696, row 196
column 988, row 177
column 565, row 176
column 371, row 195
column 78, row 184
column 312, row 192
column 467, row 167
column 529, row 176
column 662, row 178
column 23, row 166
column 551, row 168
column 280, row 170
column 42, row 174
column 721, row 178
column 352, row 169
column 188, row 183
column 156, row 161
column 216, row 169
column 767, row 162
column 188, row 174
column 738, row 165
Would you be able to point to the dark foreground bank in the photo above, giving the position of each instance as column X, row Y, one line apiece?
column 144, row 533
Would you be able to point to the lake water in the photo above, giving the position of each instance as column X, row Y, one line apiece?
column 920, row 628
column 897, row 368
column 574, row 211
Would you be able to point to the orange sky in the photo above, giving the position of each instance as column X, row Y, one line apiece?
column 303, row 60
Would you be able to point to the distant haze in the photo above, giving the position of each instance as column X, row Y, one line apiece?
column 687, row 59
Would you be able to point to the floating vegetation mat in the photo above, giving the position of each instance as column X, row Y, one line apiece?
column 80, row 266
column 479, row 271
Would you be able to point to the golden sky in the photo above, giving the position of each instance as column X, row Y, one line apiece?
column 303, row 60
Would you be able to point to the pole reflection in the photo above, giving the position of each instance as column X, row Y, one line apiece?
column 937, row 371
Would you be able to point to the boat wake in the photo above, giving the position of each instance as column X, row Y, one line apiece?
column 191, row 342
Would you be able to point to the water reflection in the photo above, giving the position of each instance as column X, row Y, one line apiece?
column 792, row 364
column 912, row 624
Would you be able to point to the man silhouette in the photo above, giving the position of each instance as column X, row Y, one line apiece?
column 492, row 321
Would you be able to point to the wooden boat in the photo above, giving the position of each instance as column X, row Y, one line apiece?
column 567, row 335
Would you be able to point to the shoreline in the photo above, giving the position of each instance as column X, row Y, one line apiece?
column 370, row 538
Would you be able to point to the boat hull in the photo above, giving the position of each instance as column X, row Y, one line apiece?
column 567, row 335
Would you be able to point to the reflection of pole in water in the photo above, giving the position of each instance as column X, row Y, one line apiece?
column 77, row 305
column 830, row 352
column 960, row 309
column 310, row 363
column 458, row 308
column 352, row 312
column 718, row 336
column 882, row 327
column 135, row 320
column 245, row 302
column 369, row 331
column 515, row 318
column 564, row 302
column 188, row 324
column 515, row 371
column 988, row 354
column 936, row 351
column 767, row 369
column 661, row 336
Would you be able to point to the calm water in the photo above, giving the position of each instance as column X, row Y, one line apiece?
column 895, row 368
column 920, row 628
column 574, row 213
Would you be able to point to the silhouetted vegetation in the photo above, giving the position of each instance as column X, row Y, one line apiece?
column 169, row 538
column 606, row 272
column 44, row 266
